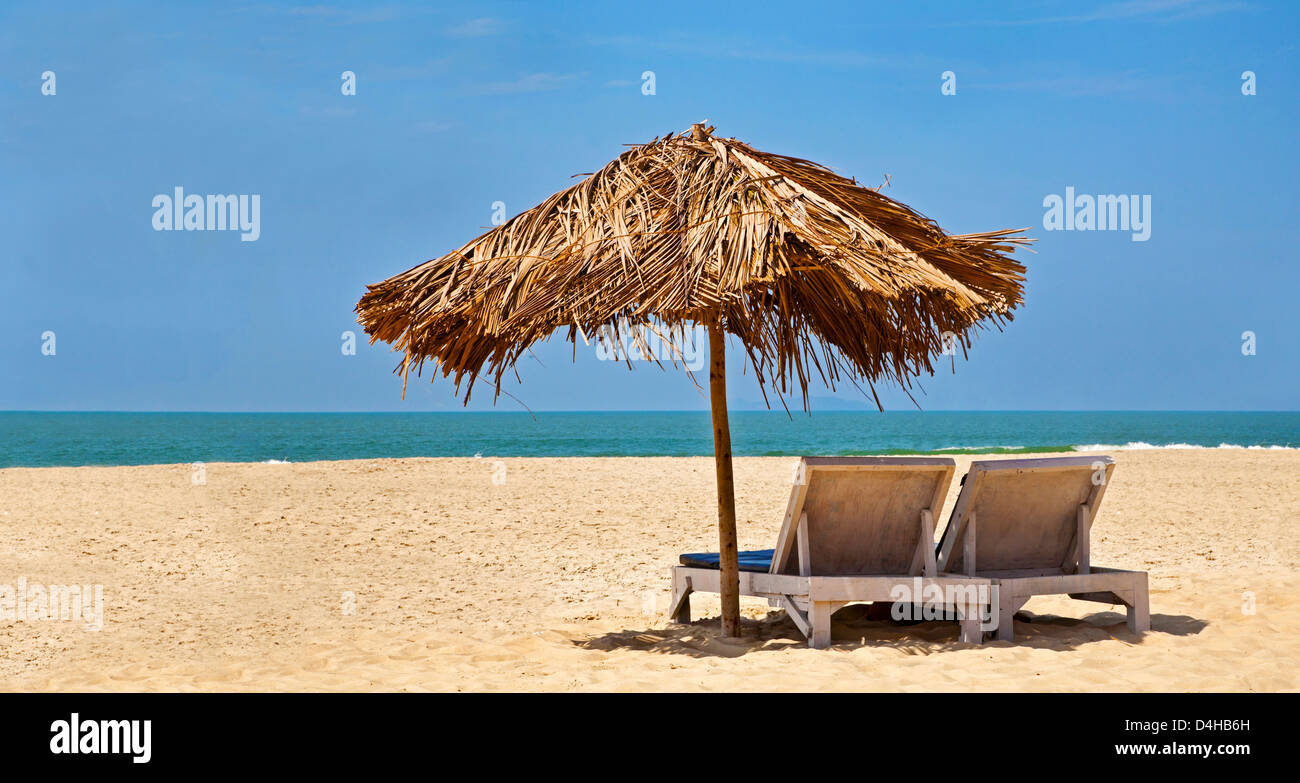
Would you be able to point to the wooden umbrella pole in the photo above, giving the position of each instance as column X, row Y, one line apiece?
column 730, row 562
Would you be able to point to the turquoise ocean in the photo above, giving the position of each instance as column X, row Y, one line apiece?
column 31, row 439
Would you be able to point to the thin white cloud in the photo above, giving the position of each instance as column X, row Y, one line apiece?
column 327, row 112
column 1129, row 11
column 745, row 49
column 1097, row 84
column 475, row 28
column 530, row 82
column 337, row 15
column 433, row 126
column 425, row 70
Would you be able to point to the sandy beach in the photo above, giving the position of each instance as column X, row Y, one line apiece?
column 551, row 575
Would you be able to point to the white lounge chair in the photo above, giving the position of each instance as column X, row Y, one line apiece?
column 1025, row 524
column 856, row 529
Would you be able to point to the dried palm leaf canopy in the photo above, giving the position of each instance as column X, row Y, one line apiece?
column 815, row 274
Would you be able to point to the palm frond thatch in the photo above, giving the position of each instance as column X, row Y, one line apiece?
column 814, row 273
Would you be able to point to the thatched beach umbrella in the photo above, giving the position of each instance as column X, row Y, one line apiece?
column 813, row 273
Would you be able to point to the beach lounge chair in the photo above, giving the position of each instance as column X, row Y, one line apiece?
column 1025, row 524
column 856, row 529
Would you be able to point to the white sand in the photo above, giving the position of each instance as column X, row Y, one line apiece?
column 557, row 580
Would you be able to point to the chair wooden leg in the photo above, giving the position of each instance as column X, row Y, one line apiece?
column 819, row 617
column 970, row 617
column 680, row 611
column 1006, row 620
column 797, row 617
column 1139, row 608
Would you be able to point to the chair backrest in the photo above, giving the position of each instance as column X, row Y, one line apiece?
column 862, row 515
column 1027, row 514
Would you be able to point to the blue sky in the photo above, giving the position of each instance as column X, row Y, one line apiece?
column 460, row 106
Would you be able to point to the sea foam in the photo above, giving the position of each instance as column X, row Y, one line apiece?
column 1140, row 445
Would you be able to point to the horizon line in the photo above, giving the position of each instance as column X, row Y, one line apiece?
column 791, row 411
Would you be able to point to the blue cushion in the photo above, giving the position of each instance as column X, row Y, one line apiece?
column 757, row 560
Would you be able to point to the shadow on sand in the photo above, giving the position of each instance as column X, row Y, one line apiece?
column 862, row 626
